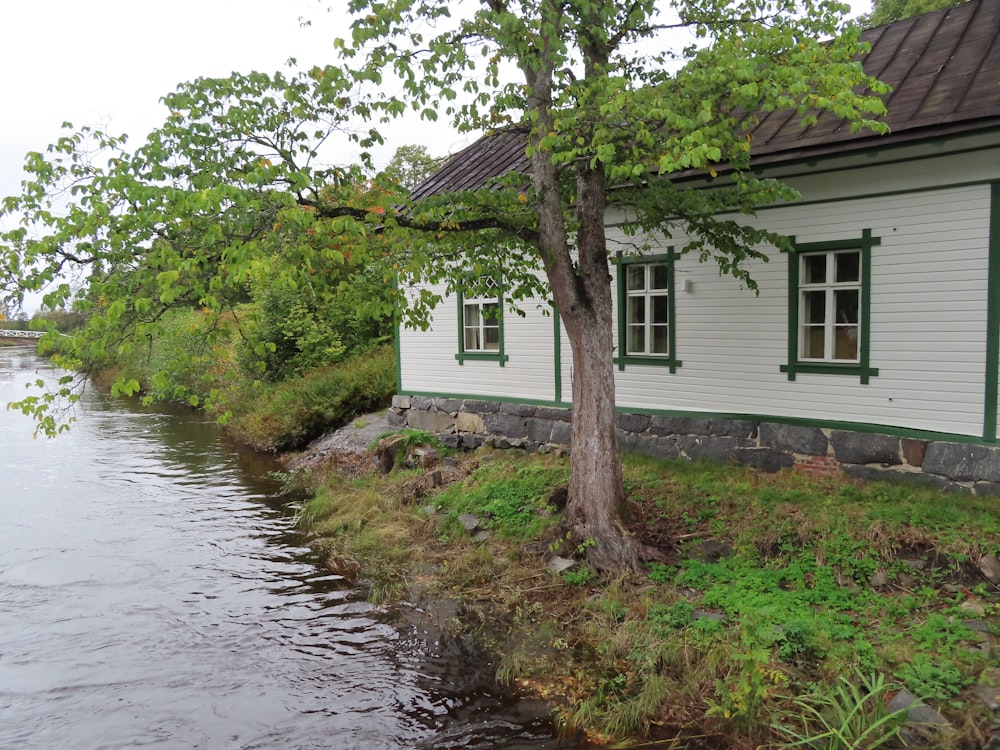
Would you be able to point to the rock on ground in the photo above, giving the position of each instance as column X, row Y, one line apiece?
column 351, row 439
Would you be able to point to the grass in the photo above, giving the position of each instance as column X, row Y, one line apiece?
column 828, row 595
column 287, row 415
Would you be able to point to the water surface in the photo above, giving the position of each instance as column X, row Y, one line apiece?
column 153, row 593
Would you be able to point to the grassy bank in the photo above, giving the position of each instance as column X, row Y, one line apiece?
column 186, row 366
column 787, row 607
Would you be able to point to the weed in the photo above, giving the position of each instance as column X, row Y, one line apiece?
column 408, row 439
column 660, row 573
column 578, row 576
column 664, row 619
column 511, row 499
column 741, row 697
column 851, row 715
column 924, row 676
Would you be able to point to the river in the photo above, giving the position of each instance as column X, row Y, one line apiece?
column 153, row 593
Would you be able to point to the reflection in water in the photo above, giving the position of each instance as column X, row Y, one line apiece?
column 153, row 594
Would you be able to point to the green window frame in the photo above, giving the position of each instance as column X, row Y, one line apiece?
column 480, row 324
column 829, row 308
column 646, row 328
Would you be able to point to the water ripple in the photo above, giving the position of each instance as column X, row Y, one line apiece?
column 153, row 594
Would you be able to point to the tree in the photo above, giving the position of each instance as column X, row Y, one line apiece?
column 201, row 208
column 890, row 11
column 411, row 165
column 218, row 200
column 607, row 125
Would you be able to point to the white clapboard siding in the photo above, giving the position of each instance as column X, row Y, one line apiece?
column 429, row 364
column 928, row 314
column 928, row 327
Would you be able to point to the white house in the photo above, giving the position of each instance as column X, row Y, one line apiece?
column 873, row 347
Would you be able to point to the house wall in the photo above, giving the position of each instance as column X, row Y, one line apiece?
column 929, row 275
column 429, row 364
column 928, row 321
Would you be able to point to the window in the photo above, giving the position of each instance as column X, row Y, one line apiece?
column 480, row 323
column 829, row 292
column 829, row 304
column 646, row 311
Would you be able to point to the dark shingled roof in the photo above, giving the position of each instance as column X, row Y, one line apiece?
column 943, row 67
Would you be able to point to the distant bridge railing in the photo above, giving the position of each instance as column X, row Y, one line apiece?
column 21, row 334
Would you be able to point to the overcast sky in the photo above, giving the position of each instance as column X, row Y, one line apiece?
column 108, row 62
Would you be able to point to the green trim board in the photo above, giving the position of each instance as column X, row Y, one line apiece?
column 862, row 368
column 815, row 162
column 992, row 320
column 861, row 427
column 399, row 358
column 670, row 361
column 462, row 355
column 396, row 341
column 480, row 397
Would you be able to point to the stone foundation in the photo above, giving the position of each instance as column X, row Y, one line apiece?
column 768, row 446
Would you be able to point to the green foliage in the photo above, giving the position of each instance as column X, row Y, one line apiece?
column 667, row 618
column 225, row 198
column 932, row 678
column 290, row 330
column 888, row 11
column 411, row 165
column 578, row 576
column 511, row 500
column 289, row 414
column 741, row 697
column 849, row 715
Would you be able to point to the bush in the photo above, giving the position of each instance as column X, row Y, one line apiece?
column 292, row 331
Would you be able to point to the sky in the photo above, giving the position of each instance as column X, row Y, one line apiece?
column 107, row 63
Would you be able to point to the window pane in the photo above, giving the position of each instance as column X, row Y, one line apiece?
column 659, row 277
column 472, row 340
column 491, row 312
column 813, row 344
column 636, row 310
column 635, row 340
column 845, row 303
column 845, row 342
column 813, row 308
column 635, row 278
column 491, row 335
column 659, row 311
column 659, row 344
column 848, row 267
column 472, row 316
column 814, row 269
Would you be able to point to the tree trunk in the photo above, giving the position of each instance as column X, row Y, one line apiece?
column 596, row 508
column 582, row 294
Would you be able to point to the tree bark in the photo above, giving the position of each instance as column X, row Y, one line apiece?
column 596, row 508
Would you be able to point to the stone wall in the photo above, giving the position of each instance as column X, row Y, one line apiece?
column 768, row 446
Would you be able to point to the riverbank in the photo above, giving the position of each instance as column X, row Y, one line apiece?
column 787, row 606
